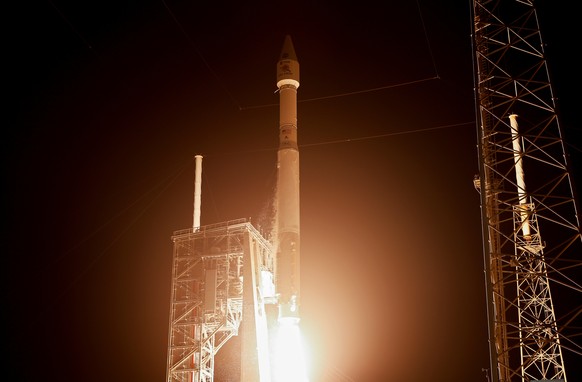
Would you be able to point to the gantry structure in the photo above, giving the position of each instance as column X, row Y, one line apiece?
column 221, row 274
column 531, row 232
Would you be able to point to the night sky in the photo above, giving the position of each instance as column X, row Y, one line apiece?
column 109, row 101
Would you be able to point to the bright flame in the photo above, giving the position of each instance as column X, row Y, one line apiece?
column 289, row 353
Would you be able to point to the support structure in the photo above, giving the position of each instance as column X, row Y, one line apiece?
column 218, row 273
column 532, row 243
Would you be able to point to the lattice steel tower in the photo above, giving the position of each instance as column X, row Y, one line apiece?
column 531, row 232
column 222, row 277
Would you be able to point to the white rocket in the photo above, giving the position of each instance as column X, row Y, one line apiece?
column 288, row 277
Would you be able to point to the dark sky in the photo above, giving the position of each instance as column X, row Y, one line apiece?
column 109, row 101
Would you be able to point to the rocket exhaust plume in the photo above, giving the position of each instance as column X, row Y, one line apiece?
column 287, row 197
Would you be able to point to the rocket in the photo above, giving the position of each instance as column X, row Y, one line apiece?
column 287, row 195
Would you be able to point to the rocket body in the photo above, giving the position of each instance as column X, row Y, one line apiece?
column 288, row 266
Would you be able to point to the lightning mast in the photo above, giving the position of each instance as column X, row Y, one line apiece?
column 532, row 242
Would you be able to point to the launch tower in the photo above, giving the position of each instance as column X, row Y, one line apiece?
column 531, row 233
column 216, row 276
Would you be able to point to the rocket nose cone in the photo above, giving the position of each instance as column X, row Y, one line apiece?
column 288, row 51
column 288, row 66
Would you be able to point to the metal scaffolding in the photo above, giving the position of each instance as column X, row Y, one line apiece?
column 216, row 278
column 531, row 235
